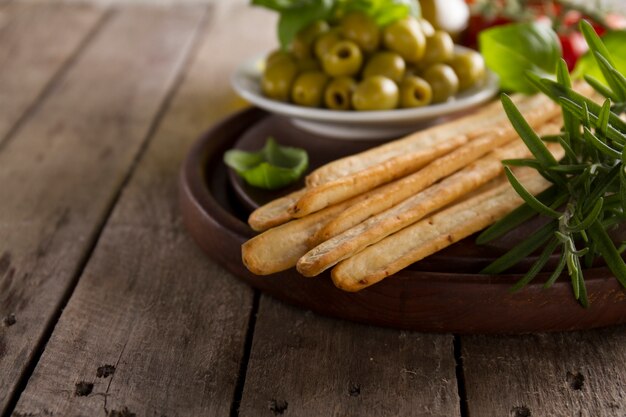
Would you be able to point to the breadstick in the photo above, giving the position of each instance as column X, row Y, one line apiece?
column 478, row 122
column 274, row 213
column 391, row 194
column 430, row 235
column 409, row 211
column 339, row 190
column 407, row 161
column 280, row 248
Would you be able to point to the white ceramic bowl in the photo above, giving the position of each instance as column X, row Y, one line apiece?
column 363, row 125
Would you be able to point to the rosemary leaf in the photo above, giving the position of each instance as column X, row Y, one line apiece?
column 608, row 251
column 558, row 92
column 599, row 145
column 569, row 152
column 528, row 135
column 556, row 274
column 537, row 266
column 520, row 215
column 530, row 199
column 531, row 163
column 612, row 77
column 600, row 88
column 522, row 250
column 612, row 132
column 603, row 117
column 591, row 217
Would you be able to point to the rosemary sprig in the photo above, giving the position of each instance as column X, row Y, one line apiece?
column 588, row 196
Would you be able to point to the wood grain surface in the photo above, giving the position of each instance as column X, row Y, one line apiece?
column 170, row 321
column 305, row 365
column 107, row 308
column 37, row 42
column 61, row 172
column 580, row 374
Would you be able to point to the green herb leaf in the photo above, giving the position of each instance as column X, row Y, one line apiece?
column 584, row 112
column 556, row 274
column 513, row 49
column 599, row 145
column 614, row 41
column 519, row 216
column 528, row 135
column 591, row 217
column 530, row 199
column 531, row 163
column 613, row 78
column 384, row 12
column 297, row 14
column 271, row 168
column 599, row 87
column 571, row 125
column 522, row 250
column 537, row 266
column 295, row 18
column 281, row 5
column 558, row 93
column 610, row 254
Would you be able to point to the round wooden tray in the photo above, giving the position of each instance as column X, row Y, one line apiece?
column 443, row 293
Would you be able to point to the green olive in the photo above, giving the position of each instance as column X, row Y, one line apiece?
column 278, row 77
column 386, row 63
column 439, row 48
column 308, row 88
column 443, row 81
column 375, row 93
column 338, row 94
column 308, row 64
column 277, row 56
column 361, row 29
column 302, row 44
column 325, row 41
column 469, row 68
column 344, row 58
column 427, row 28
column 415, row 92
column 406, row 38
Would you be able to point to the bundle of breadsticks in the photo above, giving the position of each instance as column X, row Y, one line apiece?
column 372, row 214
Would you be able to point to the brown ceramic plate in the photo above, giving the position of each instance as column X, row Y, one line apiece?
column 442, row 293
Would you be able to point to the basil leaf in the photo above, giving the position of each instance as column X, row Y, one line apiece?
column 384, row 12
column 513, row 49
column 271, row 168
column 280, row 5
column 615, row 41
column 295, row 18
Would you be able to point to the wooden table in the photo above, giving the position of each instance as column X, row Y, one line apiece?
column 108, row 308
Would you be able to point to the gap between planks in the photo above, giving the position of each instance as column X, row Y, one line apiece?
column 161, row 155
column 302, row 364
column 243, row 368
column 36, row 91
column 100, row 227
column 48, row 322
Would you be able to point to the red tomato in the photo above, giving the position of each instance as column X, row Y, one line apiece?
column 476, row 25
column 573, row 46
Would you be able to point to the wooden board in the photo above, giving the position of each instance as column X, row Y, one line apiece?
column 442, row 294
column 546, row 375
column 150, row 303
column 305, row 365
column 61, row 173
column 37, row 43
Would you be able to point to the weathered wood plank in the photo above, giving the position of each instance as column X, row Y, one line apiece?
column 305, row 365
column 36, row 43
column 579, row 374
column 62, row 171
column 149, row 302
